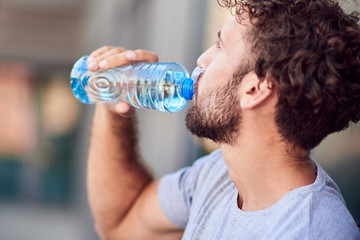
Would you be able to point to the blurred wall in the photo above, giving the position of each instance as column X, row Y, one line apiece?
column 43, row 191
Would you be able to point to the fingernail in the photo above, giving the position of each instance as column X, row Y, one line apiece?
column 131, row 56
column 92, row 65
column 90, row 59
column 103, row 64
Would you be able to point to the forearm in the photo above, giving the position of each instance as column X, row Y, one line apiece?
column 115, row 175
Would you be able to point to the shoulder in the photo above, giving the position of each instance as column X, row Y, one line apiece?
column 329, row 215
column 317, row 211
column 178, row 192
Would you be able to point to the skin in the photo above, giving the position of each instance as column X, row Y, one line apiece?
column 123, row 195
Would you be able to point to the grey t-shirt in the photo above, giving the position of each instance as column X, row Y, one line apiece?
column 203, row 200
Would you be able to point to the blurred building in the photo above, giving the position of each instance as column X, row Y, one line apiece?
column 44, row 130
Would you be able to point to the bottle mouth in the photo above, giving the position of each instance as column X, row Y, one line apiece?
column 196, row 73
column 188, row 84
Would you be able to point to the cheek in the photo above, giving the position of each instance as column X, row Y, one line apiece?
column 205, row 83
column 215, row 76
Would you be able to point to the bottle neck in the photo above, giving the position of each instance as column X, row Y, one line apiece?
column 188, row 84
column 187, row 90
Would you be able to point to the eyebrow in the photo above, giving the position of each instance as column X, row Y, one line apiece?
column 219, row 37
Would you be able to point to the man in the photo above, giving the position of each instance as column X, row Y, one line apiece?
column 282, row 76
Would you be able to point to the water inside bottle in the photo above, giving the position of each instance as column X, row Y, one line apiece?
column 162, row 94
column 144, row 85
column 103, row 87
column 79, row 90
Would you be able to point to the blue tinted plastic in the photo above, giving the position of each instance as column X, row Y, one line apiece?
column 160, row 86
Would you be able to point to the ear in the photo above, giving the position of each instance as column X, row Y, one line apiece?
column 255, row 92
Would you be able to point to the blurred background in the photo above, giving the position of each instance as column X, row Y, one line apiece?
column 44, row 130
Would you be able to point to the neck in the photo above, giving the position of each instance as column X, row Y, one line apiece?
column 264, row 172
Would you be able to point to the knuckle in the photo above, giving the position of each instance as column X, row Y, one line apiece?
column 139, row 52
column 118, row 50
column 104, row 49
column 115, row 58
column 99, row 57
column 95, row 53
column 128, row 51
column 107, row 48
column 155, row 57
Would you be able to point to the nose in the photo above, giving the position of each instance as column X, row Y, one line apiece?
column 206, row 57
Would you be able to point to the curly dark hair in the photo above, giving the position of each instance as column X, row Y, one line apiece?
column 311, row 51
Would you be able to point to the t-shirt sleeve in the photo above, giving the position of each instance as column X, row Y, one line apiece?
column 332, row 219
column 176, row 193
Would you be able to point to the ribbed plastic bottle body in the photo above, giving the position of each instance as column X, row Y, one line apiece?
column 144, row 85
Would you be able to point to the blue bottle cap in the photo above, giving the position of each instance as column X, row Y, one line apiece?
column 188, row 89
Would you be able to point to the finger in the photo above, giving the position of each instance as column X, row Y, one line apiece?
column 143, row 55
column 101, row 51
column 99, row 55
column 115, row 60
column 109, row 53
column 127, row 57
column 110, row 57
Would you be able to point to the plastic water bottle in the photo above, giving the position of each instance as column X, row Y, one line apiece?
column 160, row 86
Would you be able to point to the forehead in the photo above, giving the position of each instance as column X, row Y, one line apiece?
column 234, row 32
column 235, row 28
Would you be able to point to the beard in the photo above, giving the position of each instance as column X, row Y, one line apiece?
column 217, row 116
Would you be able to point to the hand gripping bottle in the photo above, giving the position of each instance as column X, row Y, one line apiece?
column 160, row 86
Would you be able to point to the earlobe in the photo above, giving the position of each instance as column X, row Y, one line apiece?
column 256, row 93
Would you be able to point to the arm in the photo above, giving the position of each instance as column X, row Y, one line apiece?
column 122, row 193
